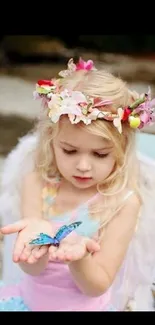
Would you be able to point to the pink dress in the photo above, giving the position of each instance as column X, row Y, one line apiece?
column 54, row 289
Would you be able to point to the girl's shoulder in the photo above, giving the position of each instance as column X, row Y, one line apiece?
column 131, row 197
column 124, row 200
column 32, row 181
column 130, row 202
column 127, row 210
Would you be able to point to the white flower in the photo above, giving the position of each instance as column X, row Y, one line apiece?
column 82, row 118
column 70, row 69
column 117, row 120
column 61, row 104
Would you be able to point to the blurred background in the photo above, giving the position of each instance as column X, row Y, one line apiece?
column 26, row 58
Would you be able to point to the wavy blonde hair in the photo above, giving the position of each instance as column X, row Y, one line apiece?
column 101, row 84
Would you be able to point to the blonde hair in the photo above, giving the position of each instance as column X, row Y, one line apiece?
column 101, row 84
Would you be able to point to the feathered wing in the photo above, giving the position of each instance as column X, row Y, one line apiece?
column 144, row 241
column 19, row 162
column 136, row 275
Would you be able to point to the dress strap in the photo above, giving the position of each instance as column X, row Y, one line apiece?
column 128, row 194
column 126, row 197
column 49, row 192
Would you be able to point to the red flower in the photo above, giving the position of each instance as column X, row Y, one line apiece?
column 45, row 83
column 127, row 112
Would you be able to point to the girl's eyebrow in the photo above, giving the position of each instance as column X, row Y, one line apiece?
column 68, row 144
column 99, row 149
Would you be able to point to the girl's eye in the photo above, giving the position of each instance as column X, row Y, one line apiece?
column 101, row 155
column 69, row 152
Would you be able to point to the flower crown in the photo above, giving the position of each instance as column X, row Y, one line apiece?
column 80, row 107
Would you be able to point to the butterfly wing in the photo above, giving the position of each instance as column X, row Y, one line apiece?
column 66, row 230
column 42, row 239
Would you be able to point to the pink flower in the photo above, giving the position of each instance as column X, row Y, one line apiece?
column 102, row 103
column 85, row 65
column 145, row 117
column 146, row 110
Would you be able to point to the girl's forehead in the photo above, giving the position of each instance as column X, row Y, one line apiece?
column 77, row 136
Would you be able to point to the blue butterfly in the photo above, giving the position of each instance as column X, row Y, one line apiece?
column 64, row 231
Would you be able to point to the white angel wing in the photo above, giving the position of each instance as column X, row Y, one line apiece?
column 17, row 164
column 133, row 284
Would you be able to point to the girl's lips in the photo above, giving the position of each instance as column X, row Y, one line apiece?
column 82, row 179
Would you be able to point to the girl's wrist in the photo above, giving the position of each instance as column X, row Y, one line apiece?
column 81, row 261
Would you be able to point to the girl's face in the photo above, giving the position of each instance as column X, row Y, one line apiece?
column 82, row 158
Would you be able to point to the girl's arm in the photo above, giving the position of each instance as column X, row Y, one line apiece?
column 95, row 273
column 31, row 209
column 31, row 224
column 31, row 196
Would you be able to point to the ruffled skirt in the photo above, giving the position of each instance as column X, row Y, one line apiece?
column 10, row 299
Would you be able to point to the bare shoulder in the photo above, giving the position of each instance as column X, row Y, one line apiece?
column 133, row 199
column 32, row 179
column 131, row 207
column 127, row 216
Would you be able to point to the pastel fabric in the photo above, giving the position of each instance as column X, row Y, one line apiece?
column 55, row 289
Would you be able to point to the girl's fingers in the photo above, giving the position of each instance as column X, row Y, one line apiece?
column 73, row 252
column 61, row 255
column 18, row 249
column 92, row 246
column 13, row 228
column 40, row 251
column 52, row 252
column 26, row 253
column 31, row 259
column 53, row 249
column 69, row 257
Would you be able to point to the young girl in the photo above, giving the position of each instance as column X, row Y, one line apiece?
column 80, row 169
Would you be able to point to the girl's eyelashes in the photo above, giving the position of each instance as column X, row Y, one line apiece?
column 99, row 155
column 69, row 152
